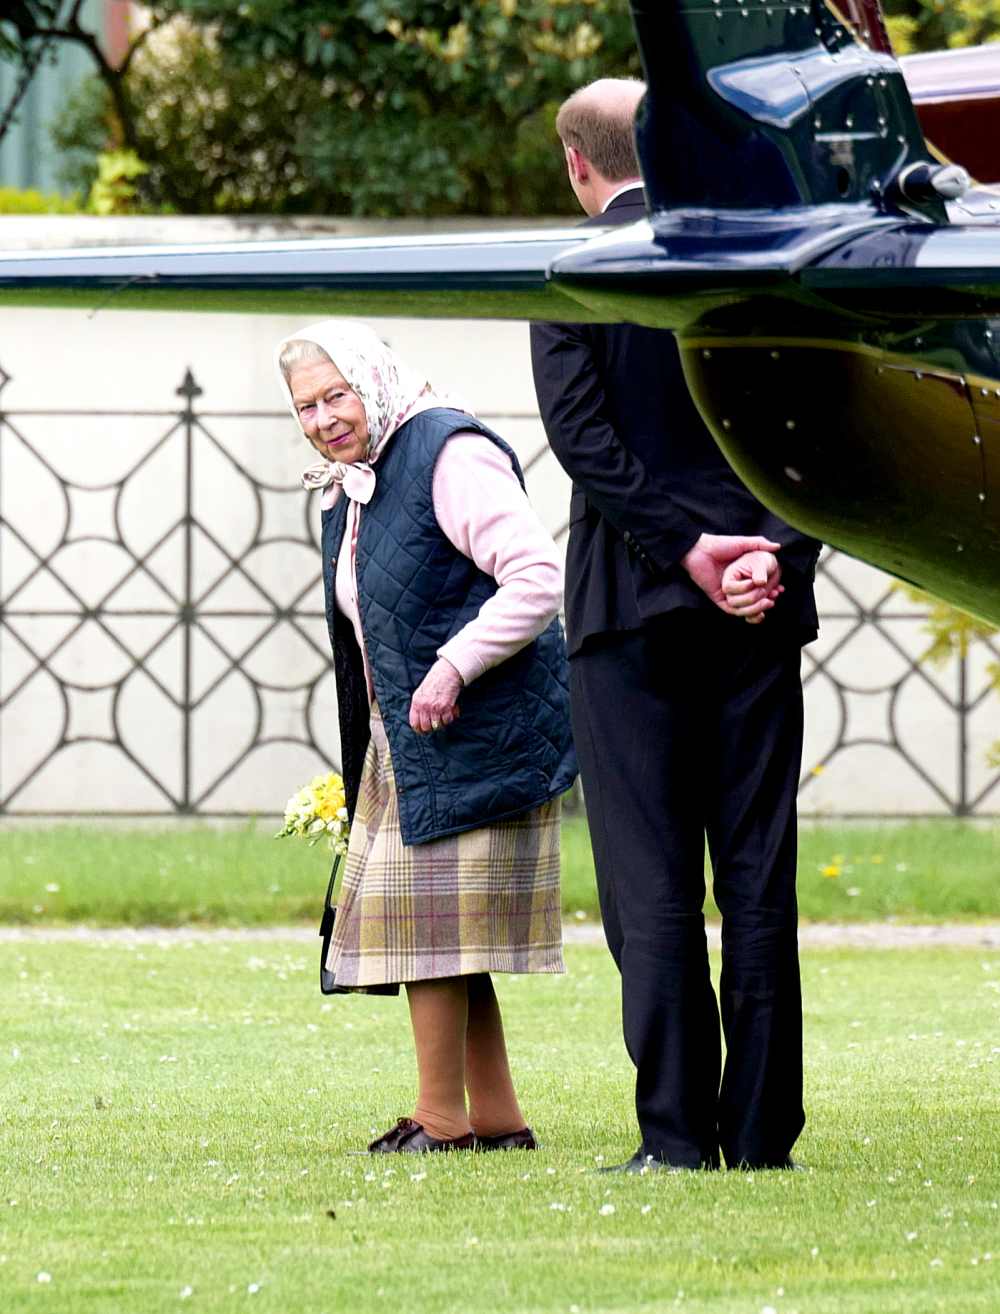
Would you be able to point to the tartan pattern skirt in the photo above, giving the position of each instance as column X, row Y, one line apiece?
column 486, row 900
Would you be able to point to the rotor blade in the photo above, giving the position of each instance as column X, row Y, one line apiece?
column 480, row 276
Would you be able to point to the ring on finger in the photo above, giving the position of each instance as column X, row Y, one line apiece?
column 435, row 725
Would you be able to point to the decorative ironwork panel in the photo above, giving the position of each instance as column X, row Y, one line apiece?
column 163, row 647
column 164, row 643
column 884, row 725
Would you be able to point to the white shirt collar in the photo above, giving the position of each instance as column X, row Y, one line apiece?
column 635, row 183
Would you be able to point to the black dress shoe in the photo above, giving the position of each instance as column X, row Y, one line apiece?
column 515, row 1140
column 409, row 1137
column 645, row 1163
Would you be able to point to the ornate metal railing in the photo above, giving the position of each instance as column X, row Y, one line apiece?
column 163, row 650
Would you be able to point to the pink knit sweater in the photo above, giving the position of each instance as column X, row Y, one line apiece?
column 485, row 514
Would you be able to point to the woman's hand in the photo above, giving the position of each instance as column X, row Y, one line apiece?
column 434, row 703
column 752, row 585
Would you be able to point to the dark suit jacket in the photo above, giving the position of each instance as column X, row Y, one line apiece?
column 648, row 478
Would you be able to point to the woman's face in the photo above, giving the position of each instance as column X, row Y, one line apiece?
column 332, row 415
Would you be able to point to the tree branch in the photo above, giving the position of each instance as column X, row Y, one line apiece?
column 138, row 41
column 114, row 81
column 31, row 63
column 32, row 59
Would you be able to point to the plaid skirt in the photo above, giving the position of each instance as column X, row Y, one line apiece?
column 486, row 900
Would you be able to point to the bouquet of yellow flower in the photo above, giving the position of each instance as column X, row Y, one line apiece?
column 318, row 810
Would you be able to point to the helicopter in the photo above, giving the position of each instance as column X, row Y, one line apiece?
column 833, row 281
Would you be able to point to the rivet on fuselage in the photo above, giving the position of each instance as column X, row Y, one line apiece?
column 959, row 547
column 706, row 355
column 984, row 392
column 727, row 424
column 793, row 474
column 789, row 424
column 775, row 355
column 976, row 439
column 918, row 376
column 982, row 497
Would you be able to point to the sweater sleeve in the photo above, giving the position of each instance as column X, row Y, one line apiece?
column 485, row 514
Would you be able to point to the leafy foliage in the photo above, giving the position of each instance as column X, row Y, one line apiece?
column 456, row 99
column 114, row 190
column 81, row 131
column 277, row 105
column 935, row 24
column 218, row 136
column 368, row 107
column 15, row 201
column 952, row 633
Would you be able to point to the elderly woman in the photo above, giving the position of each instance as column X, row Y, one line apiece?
column 442, row 592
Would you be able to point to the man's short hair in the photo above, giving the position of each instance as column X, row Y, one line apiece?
column 602, row 127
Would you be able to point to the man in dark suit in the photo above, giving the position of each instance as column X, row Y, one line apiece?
column 687, row 718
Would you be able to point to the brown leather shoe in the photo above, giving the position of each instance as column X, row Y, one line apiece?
column 409, row 1137
column 388, row 1142
column 515, row 1140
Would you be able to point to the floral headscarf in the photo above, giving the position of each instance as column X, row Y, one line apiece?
column 389, row 390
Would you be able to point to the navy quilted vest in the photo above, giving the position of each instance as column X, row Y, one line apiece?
column 510, row 750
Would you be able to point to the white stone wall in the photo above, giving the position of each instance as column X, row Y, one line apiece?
column 883, row 734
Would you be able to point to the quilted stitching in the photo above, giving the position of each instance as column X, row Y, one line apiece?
column 510, row 750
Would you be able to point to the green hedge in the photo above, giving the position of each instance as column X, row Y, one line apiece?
column 15, row 201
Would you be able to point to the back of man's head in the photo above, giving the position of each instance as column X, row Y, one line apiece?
column 599, row 121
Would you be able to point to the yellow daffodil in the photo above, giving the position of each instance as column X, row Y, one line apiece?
column 318, row 810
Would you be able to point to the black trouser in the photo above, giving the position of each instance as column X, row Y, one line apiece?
column 692, row 727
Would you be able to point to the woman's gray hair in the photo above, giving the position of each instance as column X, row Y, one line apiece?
column 299, row 351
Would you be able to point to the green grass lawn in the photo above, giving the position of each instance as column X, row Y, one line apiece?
column 177, row 1124
column 938, row 869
